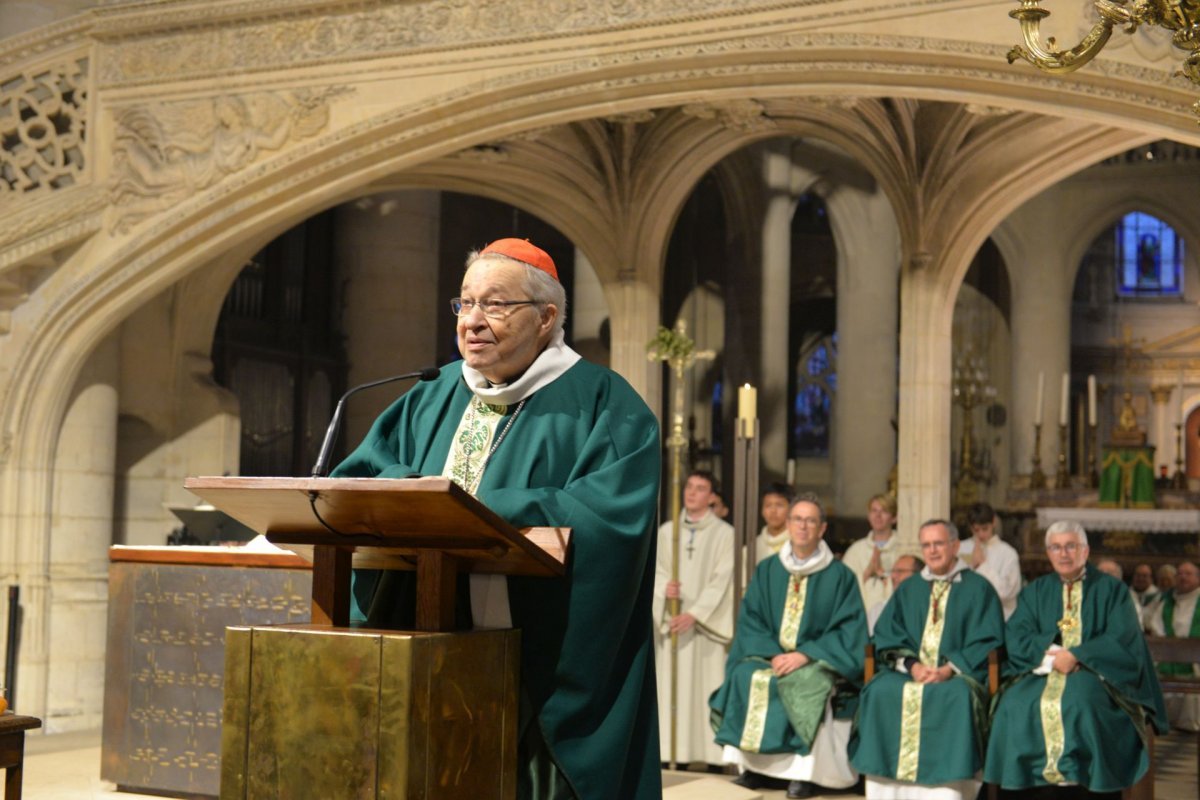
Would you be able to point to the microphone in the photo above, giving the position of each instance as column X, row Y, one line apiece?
column 322, row 466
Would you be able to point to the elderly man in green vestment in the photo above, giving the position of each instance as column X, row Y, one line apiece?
column 796, row 659
column 921, row 720
column 544, row 438
column 1077, row 715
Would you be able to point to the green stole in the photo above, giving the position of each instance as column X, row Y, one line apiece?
column 1168, row 613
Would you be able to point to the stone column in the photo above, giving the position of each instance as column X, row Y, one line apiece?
column 864, row 442
column 924, row 437
column 633, row 304
column 388, row 251
column 81, row 531
column 1030, row 241
column 774, row 392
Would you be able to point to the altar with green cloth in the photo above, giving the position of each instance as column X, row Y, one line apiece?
column 1127, row 477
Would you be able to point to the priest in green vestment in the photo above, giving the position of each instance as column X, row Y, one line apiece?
column 1084, row 693
column 795, row 665
column 543, row 438
column 922, row 718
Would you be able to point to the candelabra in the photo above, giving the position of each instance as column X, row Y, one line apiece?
column 1037, row 478
column 971, row 388
column 1062, row 479
column 1179, row 480
column 1181, row 17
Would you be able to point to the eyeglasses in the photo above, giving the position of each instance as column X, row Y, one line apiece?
column 496, row 309
column 1069, row 547
column 937, row 544
column 812, row 522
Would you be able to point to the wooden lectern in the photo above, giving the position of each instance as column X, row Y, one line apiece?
column 326, row 710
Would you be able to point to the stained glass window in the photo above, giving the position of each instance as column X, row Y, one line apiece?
column 816, row 383
column 1149, row 257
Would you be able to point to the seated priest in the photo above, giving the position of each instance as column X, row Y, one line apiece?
column 782, row 713
column 1075, row 719
column 922, row 718
column 1177, row 615
column 543, row 438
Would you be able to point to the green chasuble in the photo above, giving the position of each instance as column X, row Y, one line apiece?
column 934, row 733
column 583, row 453
column 1087, row 727
column 820, row 615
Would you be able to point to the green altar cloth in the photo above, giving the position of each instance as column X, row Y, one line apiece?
column 1127, row 478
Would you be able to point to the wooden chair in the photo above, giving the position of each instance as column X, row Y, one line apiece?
column 12, row 750
column 995, row 658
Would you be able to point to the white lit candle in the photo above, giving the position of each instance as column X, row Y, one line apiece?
column 1064, row 400
column 1091, row 399
column 747, row 409
column 1041, row 396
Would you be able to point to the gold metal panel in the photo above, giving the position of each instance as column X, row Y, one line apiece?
column 462, row 722
column 314, row 714
column 235, row 713
column 395, row 706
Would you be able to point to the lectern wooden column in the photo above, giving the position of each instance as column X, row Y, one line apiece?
column 330, row 711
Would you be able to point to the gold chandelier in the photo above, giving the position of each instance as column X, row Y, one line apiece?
column 1182, row 17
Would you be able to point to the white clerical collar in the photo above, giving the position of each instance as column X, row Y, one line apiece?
column 954, row 575
column 687, row 518
column 820, row 558
column 550, row 364
column 886, row 543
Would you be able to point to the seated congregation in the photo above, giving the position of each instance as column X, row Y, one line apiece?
column 1079, row 695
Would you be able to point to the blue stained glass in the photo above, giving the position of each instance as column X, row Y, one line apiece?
column 1149, row 257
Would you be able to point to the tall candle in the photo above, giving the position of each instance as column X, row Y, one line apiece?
column 1091, row 399
column 1041, row 396
column 747, row 403
column 1064, row 399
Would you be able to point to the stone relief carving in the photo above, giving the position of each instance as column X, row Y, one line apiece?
column 166, row 152
column 43, row 118
column 736, row 115
column 263, row 35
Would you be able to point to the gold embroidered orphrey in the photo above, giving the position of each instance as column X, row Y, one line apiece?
column 1056, row 683
column 910, row 714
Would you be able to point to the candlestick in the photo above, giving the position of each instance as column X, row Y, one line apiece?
column 1064, row 399
column 1037, row 478
column 1062, row 480
column 1179, row 397
column 1041, row 396
column 1093, row 475
column 1179, row 479
column 1091, row 400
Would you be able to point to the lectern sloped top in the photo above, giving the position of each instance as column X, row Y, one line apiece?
column 386, row 521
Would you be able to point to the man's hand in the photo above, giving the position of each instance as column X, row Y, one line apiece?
column 672, row 589
column 978, row 555
column 681, row 623
column 1065, row 661
column 924, row 674
column 784, row 663
column 874, row 567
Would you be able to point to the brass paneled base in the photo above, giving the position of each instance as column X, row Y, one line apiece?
column 315, row 711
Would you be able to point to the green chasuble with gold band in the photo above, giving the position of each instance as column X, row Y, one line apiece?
column 931, row 733
column 820, row 615
column 1087, row 727
column 582, row 453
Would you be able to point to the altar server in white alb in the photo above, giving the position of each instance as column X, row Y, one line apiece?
column 992, row 557
column 703, row 626
column 872, row 557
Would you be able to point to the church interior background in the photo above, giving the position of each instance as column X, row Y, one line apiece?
column 220, row 215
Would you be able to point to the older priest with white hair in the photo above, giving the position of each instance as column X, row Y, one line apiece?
column 921, row 719
column 1085, row 694
column 796, row 660
column 543, row 437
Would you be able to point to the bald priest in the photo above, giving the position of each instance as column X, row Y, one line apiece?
column 544, row 438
